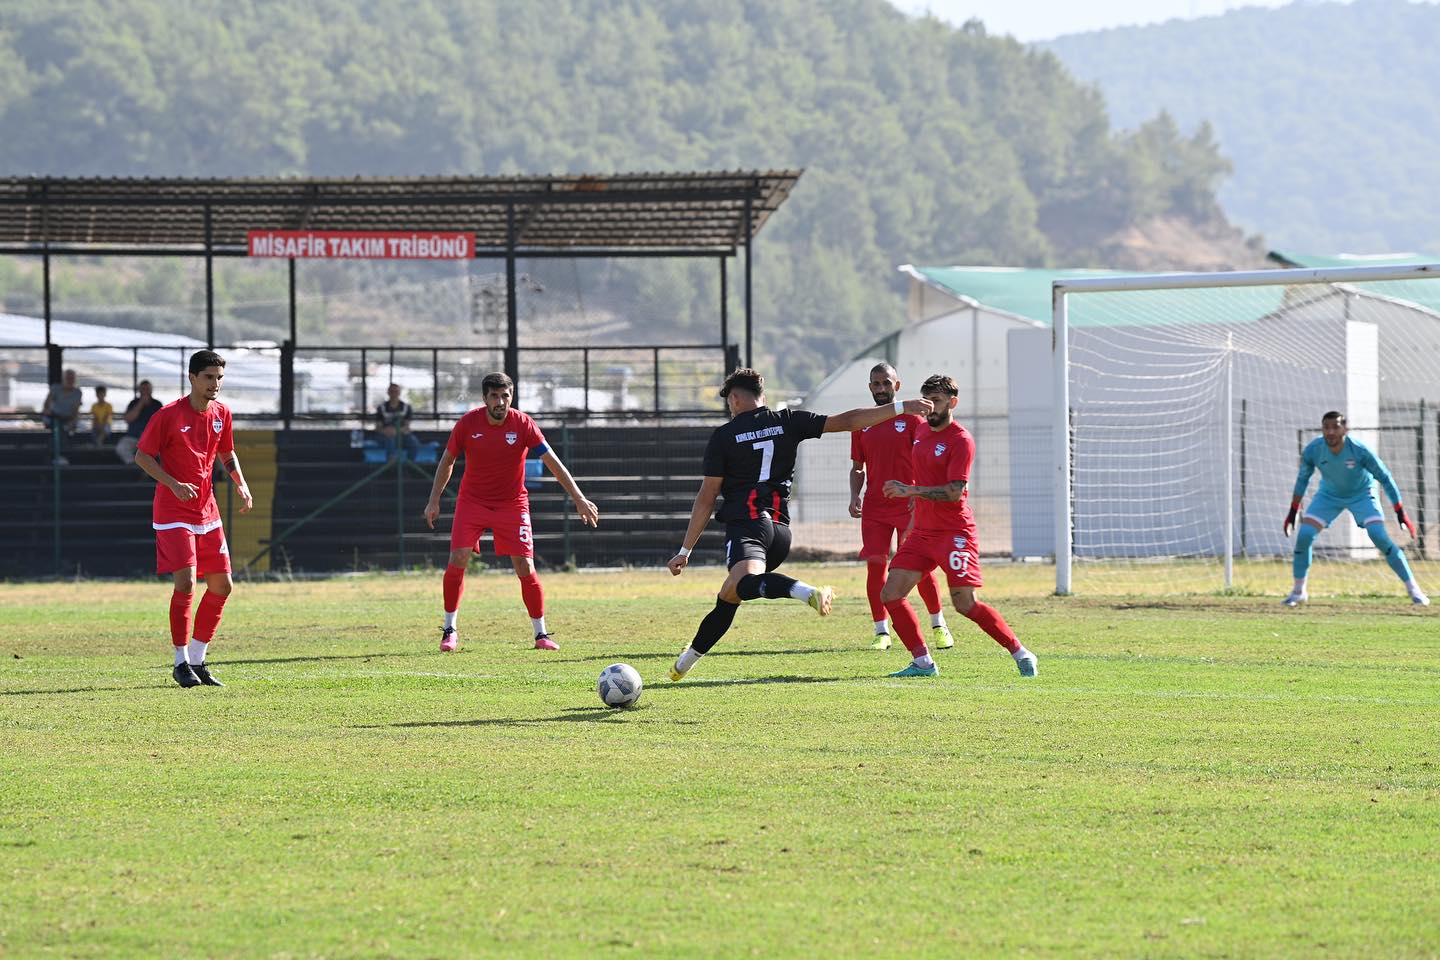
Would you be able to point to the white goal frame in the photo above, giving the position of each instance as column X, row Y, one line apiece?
column 1060, row 354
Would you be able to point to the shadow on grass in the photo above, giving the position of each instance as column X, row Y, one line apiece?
column 742, row 682
column 576, row 715
column 587, row 714
column 722, row 653
column 31, row 693
column 227, row 662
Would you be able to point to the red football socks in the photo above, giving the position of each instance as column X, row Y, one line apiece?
column 454, row 587
column 207, row 616
column 907, row 624
column 180, row 618
column 534, row 596
column 874, row 582
column 989, row 620
column 930, row 593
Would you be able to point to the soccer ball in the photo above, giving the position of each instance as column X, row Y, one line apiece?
column 619, row 685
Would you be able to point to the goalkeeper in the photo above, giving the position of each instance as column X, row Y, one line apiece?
column 1348, row 471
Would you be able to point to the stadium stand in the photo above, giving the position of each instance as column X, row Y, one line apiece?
column 643, row 478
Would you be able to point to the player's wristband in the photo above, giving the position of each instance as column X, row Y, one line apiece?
column 684, row 551
column 899, row 407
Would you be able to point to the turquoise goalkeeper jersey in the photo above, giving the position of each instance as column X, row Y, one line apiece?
column 1344, row 475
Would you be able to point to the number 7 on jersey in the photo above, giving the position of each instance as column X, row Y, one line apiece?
column 767, row 454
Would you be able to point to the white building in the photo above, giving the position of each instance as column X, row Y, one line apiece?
column 1148, row 385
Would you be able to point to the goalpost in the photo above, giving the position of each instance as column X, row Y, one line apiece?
column 1180, row 405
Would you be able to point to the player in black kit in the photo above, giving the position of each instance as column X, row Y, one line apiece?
column 750, row 461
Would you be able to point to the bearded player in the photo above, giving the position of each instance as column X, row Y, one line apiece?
column 495, row 440
column 878, row 455
column 748, row 465
column 944, row 534
column 178, row 449
column 1349, row 471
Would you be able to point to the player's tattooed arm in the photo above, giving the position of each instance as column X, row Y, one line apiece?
column 949, row 492
column 231, row 463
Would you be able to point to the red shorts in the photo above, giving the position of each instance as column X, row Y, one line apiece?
column 510, row 524
column 955, row 552
column 879, row 534
column 180, row 547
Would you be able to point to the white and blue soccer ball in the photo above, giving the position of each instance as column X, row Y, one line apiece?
column 619, row 685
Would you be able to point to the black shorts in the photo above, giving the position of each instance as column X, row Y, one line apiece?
column 761, row 539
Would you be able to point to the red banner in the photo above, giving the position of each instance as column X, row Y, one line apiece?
column 360, row 245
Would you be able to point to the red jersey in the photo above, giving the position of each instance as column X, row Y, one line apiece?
column 941, row 457
column 494, row 455
column 885, row 451
column 186, row 443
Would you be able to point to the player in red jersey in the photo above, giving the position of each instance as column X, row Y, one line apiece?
column 749, row 468
column 179, row 448
column 495, row 440
column 878, row 455
column 943, row 535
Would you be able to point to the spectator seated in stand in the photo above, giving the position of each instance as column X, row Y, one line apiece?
column 392, row 420
column 101, row 413
column 62, row 410
column 137, row 415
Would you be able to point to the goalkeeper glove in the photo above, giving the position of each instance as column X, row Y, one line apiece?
column 1404, row 520
column 1290, row 517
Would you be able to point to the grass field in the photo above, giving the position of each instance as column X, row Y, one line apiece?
column 1208, row 777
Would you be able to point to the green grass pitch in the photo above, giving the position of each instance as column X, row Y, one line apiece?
column 1204, row 777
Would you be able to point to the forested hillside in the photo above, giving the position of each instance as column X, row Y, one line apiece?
column 920, row 141
column 1326, row 109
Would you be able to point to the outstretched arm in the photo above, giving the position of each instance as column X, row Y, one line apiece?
column 589, row 514
column 862, row 417
column 699, row 516
column 443, row 469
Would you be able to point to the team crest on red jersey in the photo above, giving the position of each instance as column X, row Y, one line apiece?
column 939, row 449
column 510, row 438
column 217, row 424
column 899, row 426
column 960, row 543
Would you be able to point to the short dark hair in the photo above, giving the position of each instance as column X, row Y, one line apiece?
column 1335, row 415
column 204, row 360
column 496, row 381
column 939, row 383
column 145, row 383
column 744, row 378
column 886, row 367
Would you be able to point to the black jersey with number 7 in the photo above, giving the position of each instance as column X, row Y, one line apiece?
column 755, row 456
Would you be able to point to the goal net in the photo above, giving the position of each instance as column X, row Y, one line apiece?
column 1186, row 402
